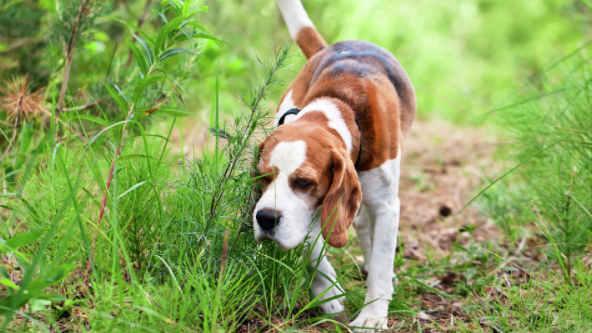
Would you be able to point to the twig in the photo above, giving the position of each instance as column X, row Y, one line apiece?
column 140, row 22
column 230, row 167
column 103, row 204
column 66, row 125
column 3, row 123
column 111, row 60
column 523, row 271
column 10, row 142
column 238, row 233
column 240, row 227
column 144, row 12
column 71, row 45
column 82, row 107
column 270, row 80
column 19, row 43
column 520, row 246
column 110, row 177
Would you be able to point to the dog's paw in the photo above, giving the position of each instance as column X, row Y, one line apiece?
column 332, row 306
column 369, row 323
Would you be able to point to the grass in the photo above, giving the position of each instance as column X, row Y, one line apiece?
column 550, row 192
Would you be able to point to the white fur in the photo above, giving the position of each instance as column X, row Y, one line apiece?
column 288, row 156
column 296, row 215
column 287, row 104
column 336, row 121
column 325, row 281
column 378, row 236
column 364, row 233
column 294, row 15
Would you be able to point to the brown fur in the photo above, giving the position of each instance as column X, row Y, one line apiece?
column 385, row 114
column 341, row 201
column 366, row 83
column 310, row 41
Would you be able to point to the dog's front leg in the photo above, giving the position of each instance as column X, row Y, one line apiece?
column 326, row 276
column 382, row 186
column 363, row 224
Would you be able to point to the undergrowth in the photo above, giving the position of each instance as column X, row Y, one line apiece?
column 546, row 197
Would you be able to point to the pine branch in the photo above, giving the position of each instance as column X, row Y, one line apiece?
column 260, row 94
column 82, row 107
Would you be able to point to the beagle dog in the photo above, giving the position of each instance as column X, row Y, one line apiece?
column 336, row 148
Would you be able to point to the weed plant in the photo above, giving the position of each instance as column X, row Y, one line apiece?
column 549, row 122
column 104, row 204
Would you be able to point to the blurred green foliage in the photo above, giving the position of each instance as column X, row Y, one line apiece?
column 463, row 56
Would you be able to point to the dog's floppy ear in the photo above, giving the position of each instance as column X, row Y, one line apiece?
column 342, row 201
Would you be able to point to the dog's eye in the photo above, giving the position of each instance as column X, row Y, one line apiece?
column 302, row 184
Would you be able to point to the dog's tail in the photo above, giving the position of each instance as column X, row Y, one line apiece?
column 301, row 28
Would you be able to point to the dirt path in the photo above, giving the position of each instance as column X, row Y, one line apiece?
column 443, row 166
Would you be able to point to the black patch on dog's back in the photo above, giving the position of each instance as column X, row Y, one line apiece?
column 351, row 67
column 361, row 59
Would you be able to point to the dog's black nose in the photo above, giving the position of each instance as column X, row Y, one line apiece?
column 268, row 219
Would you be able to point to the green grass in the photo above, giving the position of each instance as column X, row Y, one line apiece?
column 549, row 192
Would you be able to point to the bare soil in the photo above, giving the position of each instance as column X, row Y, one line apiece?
column 443, row 166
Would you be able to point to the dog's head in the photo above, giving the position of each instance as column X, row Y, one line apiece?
column 306, row 165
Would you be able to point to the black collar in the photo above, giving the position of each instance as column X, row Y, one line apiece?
column 360, row 149
column 295, row 111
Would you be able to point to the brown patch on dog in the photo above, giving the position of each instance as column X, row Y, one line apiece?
column 342, row 200
column 313, row 129
column 375, row 87
column 310, row 41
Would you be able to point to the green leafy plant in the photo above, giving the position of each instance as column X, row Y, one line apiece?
column 550, row 124
column 30, row 290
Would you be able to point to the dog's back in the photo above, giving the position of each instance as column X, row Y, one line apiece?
column 340, row 63
column 354, row 57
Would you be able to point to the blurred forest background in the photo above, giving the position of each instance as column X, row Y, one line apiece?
column 464, row 56
column 127, row 135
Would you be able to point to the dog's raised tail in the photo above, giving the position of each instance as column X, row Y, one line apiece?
column 301, row 28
